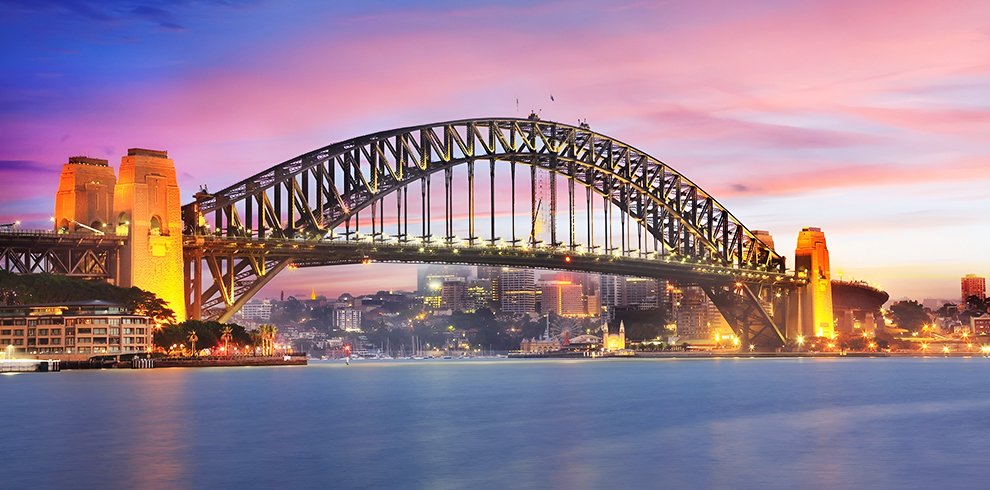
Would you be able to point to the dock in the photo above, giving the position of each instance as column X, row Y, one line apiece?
column 30, row 365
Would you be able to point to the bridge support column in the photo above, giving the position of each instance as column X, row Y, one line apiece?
column 812, row 305
column 146, row 202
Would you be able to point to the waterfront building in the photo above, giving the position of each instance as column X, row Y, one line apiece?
column 518, row 290
column 540, row 345
column 74, row 329
column 614, row 342
column 973, row 285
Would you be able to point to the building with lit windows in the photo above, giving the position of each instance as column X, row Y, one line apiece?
column 347, row 319
column 74, row 330
column 491, row 275
column 479, row 295
column 518, row 291
column 973, row 285
column 453, row 295
column 696, row 316
column 257, row 310
column 563, row 298
column 636, row 293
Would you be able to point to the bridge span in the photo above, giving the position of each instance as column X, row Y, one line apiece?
column 492, row 191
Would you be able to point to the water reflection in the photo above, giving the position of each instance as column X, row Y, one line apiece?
column 506, row 424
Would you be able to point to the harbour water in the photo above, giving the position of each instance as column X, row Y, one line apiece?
column 623, row 423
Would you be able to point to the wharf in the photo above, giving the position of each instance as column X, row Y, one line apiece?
column 29, row 365
column 288, row 360
column 698, row 355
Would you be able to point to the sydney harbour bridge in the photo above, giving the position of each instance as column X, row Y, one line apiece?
column 498, row 191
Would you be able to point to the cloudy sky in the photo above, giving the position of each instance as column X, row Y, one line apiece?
column 870, row 120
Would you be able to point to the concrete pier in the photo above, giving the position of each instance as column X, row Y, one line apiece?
column 29, row 365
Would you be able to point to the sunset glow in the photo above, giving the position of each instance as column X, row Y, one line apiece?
column 868, row 120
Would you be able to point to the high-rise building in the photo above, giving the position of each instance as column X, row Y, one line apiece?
column 563, row 298
column 428, row 275
column 257, row 310
column 453, row 295
column 696, row 316
column 518, row 290
column 642, row 293
column 973, row 285
column 347, row 319
column 638, row 293
column 479, row 294
column 491, row 274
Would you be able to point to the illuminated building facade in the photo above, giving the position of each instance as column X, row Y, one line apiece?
column 141, row 204
column 491, row 275
column 479, row 294
column 813, row 316
column 973, row 285
column 695, row 316
column 980, row 326
column 563, row 298
column 257, row 310
column 637, row 293
column 85, row 196
column 74, row 330
column 613, row 342
column 518, row 291
column 429, row 277
column 347, row 319
column 146, row 204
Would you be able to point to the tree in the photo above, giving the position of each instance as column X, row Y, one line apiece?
column 909, row 315
column 948, row 310
column 226, row 334
column 976, row 305
column 640, row 324
column 52, row 288
column 208, row 334
column 267, row 334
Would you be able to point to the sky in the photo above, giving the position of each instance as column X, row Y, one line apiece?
column 869, row 120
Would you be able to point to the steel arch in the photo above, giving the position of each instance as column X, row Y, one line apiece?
column 676, row 211
column 300, row 200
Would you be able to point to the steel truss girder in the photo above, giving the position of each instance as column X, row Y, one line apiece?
column 306, row 197
column 746, row 312
column 77, row 255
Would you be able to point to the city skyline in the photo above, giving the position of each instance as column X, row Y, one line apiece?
column 762, row 105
